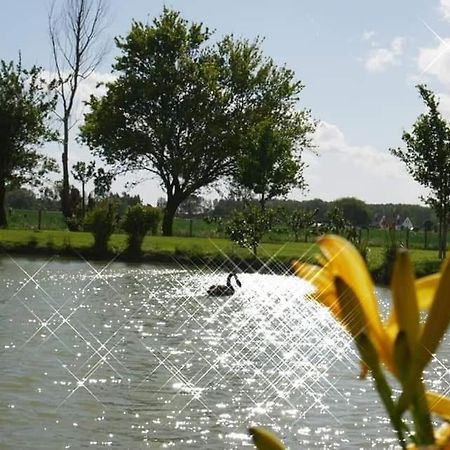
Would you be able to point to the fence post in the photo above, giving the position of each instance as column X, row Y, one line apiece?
column 190, row 227
column 407, row 238
column 39, row 218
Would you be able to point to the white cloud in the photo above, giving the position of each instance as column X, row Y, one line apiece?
column 94, row 84
column 344, row 169
column 444, row 7
column 331, row 140
column 436, row 61
column 368, row 35
column 380, row 59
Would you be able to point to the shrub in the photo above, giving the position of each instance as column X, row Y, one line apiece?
column 101, row 222
column 138, row 221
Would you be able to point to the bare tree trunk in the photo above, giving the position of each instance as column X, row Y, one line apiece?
column 65, row 198
column 83, row 199
column 444, row 232
column 3, row 217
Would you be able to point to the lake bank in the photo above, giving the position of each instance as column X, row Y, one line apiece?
column 272, row 257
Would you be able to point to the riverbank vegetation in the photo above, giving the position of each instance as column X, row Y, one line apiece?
column 189, row 250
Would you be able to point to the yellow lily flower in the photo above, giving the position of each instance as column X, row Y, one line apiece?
column 342, row 261
column 265, row 439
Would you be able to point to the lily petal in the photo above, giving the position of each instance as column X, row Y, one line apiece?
column 346, row 262
column 438, row 319
column 265, row 439
column 438, row 404
column 425, row 289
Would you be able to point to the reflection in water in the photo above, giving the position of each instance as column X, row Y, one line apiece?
column 133, row 356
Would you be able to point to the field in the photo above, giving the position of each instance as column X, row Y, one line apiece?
column 197, row 239
column 58, row 240
column 53, row 220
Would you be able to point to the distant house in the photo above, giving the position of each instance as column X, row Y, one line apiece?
column 395, row 223
column 407, row 224
column 387, row 223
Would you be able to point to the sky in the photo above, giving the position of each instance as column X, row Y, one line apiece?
column 358, row 60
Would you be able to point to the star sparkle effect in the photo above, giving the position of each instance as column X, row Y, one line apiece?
column 149, row 337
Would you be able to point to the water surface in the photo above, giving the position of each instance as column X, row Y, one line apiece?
column 130, row 356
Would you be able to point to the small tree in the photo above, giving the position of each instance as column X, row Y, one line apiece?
column 101, row 222
column 270, row 164
column 138, row 221
column 75, row 27
column 300, row 220
column 26, row 103
column 102, row 182
column 427, row 158
column 247, row 227
column 83, row 173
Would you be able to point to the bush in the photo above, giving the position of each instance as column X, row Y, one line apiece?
column 101, row 222
column 138, row 221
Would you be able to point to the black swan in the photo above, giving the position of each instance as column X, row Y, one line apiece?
column 219, row 290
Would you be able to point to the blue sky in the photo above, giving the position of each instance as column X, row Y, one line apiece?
column 359, row 62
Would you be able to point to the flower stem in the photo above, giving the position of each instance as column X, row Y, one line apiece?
column 421, row 416
column 370, row 357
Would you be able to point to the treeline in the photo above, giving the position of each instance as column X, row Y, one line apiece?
column 354, row 210
column 50, row 199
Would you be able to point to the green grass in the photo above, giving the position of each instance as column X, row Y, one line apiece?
column 57, row 240
column 206, row 242
column 53, row 220
column 29, row 219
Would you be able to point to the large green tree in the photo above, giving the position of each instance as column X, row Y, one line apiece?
column 182, row 107
column 26, row 103
column 427, row 158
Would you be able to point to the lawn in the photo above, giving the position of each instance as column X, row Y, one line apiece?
column 53, row 220
column 58, row 240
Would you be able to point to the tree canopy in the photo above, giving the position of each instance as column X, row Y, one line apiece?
column 182, row 108
column 354, row 211
column 26, row 103
column 270, row 164
column 427, row 158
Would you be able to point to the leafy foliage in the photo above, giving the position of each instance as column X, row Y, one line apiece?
column 83, row 173
column 355, row 211
column 300, row 220
column 102, row 182
column 101, row 222
column 247, row 227
column 138, row 221
column 270, row 164
column 427, row 158
column 26, row 102
column 181, row 107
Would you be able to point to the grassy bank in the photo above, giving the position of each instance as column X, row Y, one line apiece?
column 22, row 219
column 195, row 249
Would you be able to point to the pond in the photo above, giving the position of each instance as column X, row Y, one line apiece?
column 118, row 355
